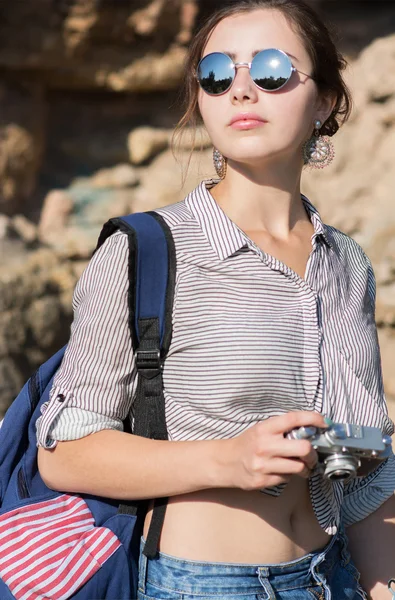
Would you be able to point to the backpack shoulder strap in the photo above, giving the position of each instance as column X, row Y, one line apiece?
column 152, row 269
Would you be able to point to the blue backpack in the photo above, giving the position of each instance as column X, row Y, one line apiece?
column 55, row 545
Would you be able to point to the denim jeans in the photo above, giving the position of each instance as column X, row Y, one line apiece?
column 328, row 574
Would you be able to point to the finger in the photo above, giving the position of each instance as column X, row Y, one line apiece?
column 311, row 461
column 292, row 420
column 301, row 449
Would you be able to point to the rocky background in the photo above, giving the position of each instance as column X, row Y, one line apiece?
column 88, row 101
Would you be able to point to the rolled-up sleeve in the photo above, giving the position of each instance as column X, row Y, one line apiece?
column 95, row 384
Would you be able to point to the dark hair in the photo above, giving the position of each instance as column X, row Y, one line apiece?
column 328, row 62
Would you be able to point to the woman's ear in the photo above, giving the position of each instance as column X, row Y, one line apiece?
column 325, row 105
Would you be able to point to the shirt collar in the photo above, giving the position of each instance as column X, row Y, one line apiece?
column 221, row 232
column 320, row 228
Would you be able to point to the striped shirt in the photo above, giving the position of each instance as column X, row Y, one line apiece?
column 251, row 339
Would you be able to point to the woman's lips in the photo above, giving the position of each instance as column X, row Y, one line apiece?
column 247, row 124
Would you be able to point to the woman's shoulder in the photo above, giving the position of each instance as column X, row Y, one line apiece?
column 346, row 246
column 113, row 249
column 176, row 213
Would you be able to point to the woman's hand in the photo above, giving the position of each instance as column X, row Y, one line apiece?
column 262, row 457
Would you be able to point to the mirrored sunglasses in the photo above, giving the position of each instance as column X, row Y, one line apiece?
column 270, row 70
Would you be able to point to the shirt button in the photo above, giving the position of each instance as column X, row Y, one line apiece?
column 60, row 397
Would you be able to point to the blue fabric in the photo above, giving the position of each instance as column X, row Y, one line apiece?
column 152, row 268
column 20, row 481
column 328, row 574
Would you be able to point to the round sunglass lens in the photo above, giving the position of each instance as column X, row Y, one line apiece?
column 215, row 73
column 271, row 69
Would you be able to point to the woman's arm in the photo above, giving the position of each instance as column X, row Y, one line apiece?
column 122, row 466
column 372, row 547
column 119, row 465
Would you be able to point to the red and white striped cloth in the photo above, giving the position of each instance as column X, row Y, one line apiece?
column 48, row 550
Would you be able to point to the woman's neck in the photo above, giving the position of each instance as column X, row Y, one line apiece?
column 263, row 201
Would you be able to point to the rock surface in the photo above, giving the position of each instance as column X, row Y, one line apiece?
column 146, row 142
column 22, row 136
column 117, row 45
column 35, row 298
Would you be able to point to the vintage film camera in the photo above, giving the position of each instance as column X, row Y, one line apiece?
column 344, row 450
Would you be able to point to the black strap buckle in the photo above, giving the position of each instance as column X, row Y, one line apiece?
column 148, row 359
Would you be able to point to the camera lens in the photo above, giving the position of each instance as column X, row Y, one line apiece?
column 340, row 475
column 340, row 467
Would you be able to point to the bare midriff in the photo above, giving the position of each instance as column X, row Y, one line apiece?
column 238, row 526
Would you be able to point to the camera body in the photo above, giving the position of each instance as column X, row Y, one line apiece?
column 345, row 450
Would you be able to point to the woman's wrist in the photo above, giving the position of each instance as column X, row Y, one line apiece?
column 217, row 458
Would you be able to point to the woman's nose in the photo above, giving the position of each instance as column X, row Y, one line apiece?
column 243, row 88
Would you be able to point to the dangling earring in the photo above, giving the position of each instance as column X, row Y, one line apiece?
column 318, row 151
column 219, row 163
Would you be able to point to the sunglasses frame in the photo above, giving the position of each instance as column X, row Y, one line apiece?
column 248, row 65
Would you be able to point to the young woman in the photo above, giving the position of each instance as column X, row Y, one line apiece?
column 273, row 328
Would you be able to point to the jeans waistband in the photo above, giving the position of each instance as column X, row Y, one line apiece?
column 176, row 573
